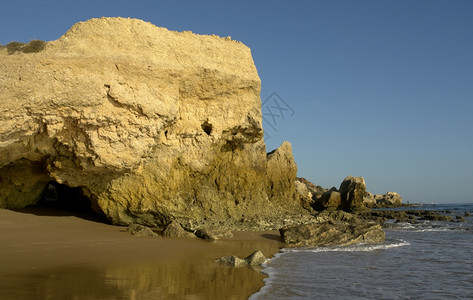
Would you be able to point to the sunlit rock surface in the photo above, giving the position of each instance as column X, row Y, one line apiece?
column 153, row 126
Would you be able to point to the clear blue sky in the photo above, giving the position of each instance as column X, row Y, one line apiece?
column 379, row 89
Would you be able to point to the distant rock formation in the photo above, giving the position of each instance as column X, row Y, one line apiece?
column 369, row 199
column 352, row 191
column 390, row 199
column 152, row 125
column 352, row 196
column 349, row 197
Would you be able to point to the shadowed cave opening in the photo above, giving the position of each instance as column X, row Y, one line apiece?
column 61, row 200
column 207, row 127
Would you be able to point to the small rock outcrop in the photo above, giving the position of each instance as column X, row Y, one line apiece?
column 232, row 260
column 140, row 230
column 152, row 125
column 174, row 229
column 254, row 259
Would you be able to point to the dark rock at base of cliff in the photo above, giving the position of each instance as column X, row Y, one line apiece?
column 174, row 229
column 141, row 230
column 331, row 233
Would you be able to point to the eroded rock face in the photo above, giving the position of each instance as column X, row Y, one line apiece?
column 352, row 191
column 153, row 125
column 332, row 232
column 330, row 200
column 349, row 197
column 369, row 199
column 388, row 199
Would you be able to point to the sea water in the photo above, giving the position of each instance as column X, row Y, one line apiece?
column 427, row 260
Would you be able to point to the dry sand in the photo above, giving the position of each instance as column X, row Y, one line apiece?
column 50, row 254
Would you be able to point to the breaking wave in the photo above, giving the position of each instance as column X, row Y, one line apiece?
column 352, row 248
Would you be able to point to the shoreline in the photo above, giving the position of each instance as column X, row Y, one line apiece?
column 49, row 255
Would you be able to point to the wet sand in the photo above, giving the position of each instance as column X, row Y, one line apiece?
column 48, row 254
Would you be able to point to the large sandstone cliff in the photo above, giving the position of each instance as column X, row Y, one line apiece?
column 153, row 125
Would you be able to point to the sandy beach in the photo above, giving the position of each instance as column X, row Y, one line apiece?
column 51, row 254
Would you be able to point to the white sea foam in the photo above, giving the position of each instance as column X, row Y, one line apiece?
column 356, row 272
column 433, row 229
column 428, row 227
column 352, row 248
column 271, row 272
column 403, row 225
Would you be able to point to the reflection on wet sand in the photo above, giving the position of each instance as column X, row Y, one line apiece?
column 176, row 280
column 49, row 256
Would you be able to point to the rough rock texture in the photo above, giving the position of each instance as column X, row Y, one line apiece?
column 352, row 191
column 175, row 229
column 349, row 197
column 21, row 183
column 310, row 186
column 254, row 259
column 332, row 232
column 282, row 171
column 369, row 199
column 330, row 200
column 388, row 199
column 232, row 260
column 407, row 216
column 140, row 230
column 303, row 190
column 153, row 125
column 307, row 192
